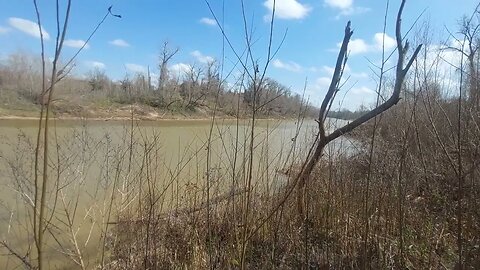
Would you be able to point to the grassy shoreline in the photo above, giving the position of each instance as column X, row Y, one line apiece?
column 124, row 113
column 135, row 118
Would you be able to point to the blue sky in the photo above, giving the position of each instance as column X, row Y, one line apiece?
column 313, row 27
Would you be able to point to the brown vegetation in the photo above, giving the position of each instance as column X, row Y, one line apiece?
column 193, row 95
column 407, row 196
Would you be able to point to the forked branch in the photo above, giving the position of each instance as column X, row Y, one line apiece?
column 401, row 72
column 322, row 139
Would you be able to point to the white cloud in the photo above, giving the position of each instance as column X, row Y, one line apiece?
column 353, row 11
column 290, row 66
column 457, row 43
column 359, row 75
column 328, row 70
column 378, row 38
column 363, row 90
column 180, row 69
column 208, row 21
column 287, row 9
column 119, row 43
column 351, row 99
column 135, row 68
column 323, row 83
column 28, row 27
column 4, row 30
column 441, row 64
column 316, row 90
column 204, row 59
column 340, row 4
column 347, row 72
column 346, row 7
column 359, row 46
column 76, row 43
column 95, row 64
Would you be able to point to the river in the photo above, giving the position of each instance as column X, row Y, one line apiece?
column 99, row 170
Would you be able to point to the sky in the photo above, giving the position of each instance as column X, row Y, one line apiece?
column 306, row 34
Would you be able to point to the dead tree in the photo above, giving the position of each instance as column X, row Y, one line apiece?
column 165, row 56
column 471, row 35
column 468, row 45
column 322, row 138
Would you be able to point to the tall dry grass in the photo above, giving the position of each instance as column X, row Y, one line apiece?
column 403, row 194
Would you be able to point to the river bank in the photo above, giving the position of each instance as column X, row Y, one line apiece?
column 124, row 113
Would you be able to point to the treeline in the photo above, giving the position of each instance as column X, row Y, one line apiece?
column 346, row 114
column 194, row 89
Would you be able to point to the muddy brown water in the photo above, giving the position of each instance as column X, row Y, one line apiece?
column 97, row 169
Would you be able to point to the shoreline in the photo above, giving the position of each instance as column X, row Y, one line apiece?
column 123, row 118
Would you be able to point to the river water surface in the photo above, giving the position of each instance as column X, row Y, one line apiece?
column 99, row 170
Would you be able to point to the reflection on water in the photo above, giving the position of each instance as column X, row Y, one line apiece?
column 100, row 169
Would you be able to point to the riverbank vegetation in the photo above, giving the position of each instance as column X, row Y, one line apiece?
column 190, row 94
column 403, row 194
column 347, row 114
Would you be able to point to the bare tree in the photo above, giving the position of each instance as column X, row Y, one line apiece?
column 322, row 139
column 211, row 80
column 98, row 80
column 190, row 89
column 468, row 45
column 165, row 56
column 471, row 34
